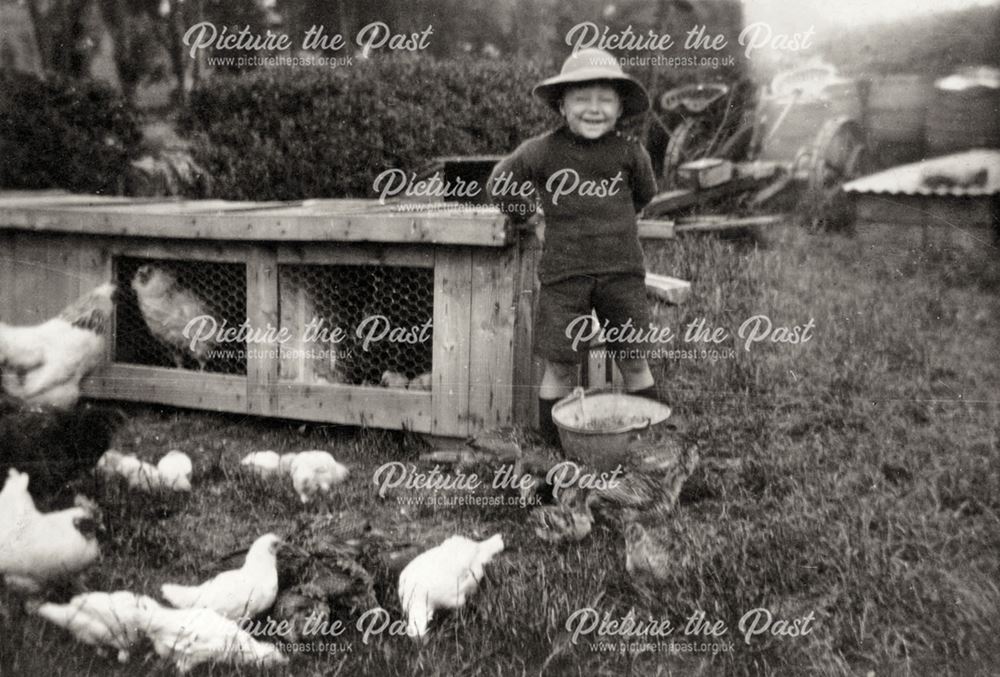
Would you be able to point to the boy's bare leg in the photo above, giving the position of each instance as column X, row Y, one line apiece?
column 638, row 377
column 558, row 381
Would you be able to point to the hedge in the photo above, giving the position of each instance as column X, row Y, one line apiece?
column 58, row 133
column 303, row 133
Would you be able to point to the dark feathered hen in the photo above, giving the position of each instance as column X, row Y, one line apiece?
column 651, row 492
column 323, row 574
column 54, row 446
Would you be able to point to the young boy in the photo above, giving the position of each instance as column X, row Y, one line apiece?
column 591, row 181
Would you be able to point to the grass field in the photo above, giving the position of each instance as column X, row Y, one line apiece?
column 855, row 477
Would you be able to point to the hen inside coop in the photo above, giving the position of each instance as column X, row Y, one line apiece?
column 357, row 324
column 170, row 314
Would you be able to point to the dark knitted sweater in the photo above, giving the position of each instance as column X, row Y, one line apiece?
column 590, row 229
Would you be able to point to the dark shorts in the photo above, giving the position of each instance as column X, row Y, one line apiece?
column 617, row 299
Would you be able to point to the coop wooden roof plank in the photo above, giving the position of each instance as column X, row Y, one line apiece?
column 218, row 220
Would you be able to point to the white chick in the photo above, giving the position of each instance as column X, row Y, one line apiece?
column 138, row 474
column 43, row 365
column 315, row 472
column 117, row 619
column 190, row 637
column 443, row 578
column 175, row 470
column 14, row 500
column 285, row 463
column 240, row 593
column 421, row 382
column 167, row 307
column 37, row 548
column 393, row 379
column 263, row 464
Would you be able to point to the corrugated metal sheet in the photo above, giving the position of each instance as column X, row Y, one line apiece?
column 930, row 177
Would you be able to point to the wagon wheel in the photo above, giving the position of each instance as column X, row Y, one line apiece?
column 838, row 155
column 691, row 140
column 737, row 146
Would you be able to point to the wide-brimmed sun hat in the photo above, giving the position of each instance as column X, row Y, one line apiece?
column 589, row 66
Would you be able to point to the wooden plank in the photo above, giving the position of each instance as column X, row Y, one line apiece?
column 303, row 359
column 596, row 367
column 712, row 224
column 668, row 289
column 183, row 250
column 60, row 198
column 182, row 388
column 527, row 367
column 357, row 405
column 262, row 358
column 656, row 229
column 95, row 268
column 452, row 303
column 290, row 224
column 168, row 206
column 8, row 274
column 63, row 279
column 351, row 254
column 93, row 261
column 30, row 303
column 492, row 339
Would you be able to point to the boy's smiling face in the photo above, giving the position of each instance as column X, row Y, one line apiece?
column 591, row 111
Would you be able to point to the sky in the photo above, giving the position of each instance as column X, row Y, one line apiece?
column 800, row 14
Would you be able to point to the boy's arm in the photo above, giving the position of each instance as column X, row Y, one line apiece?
column 643, row 179
column 508, row 183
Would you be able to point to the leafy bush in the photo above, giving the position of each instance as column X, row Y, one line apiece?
column 303, row 133
column 58, row 133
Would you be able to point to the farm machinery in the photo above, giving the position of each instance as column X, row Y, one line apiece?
column 735, row 149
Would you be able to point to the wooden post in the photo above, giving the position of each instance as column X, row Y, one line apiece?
column 262, row 311
column 491, row 331
column 450, row 360
column 8, row 277
column 527, row 368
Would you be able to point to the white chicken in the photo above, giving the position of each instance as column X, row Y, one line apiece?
column 175, row 470
column 190, row 637
column 38, row 548
column 118, row 620
column 421, row 382
column 168, row 308
column 393, row 379
column 315, row 472
column 240, row 593
column 443, row 578
column 264, row 464
column 43, row 365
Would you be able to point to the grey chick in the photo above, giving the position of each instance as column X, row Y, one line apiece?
column 569, row 520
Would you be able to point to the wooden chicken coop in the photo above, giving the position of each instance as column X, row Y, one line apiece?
column 463, row 277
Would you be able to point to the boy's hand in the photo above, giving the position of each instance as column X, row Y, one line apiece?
column 534, row 224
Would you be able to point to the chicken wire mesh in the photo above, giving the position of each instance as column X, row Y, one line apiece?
column 358, row 325
column 159, row 298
